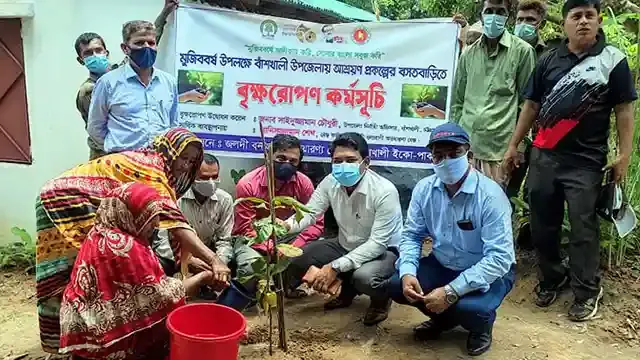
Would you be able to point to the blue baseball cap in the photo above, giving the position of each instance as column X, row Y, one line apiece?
column 448, row 132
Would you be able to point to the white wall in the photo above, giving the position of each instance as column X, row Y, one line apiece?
column 58, row 138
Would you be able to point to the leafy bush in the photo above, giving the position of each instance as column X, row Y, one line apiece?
column 267, row 267
column 19, row 254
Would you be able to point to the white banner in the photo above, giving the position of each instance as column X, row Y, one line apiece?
column 390, row 81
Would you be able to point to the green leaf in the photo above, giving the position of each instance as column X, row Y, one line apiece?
column 22, row 234
column 519, row 203
column 254, row 200
column 280, row 266
column 264, row 232
column 280, row 230
column 289, row 250
column 299, row 215
column 259, row 265
column 244, row 279
column 289, row 201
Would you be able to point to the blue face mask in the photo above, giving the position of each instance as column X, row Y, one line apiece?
column 347, row 174
column 97, row 64
column 493, row 25
column 525, row 32
column 144, row 57
column 450, row 171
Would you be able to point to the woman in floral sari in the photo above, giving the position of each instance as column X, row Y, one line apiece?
column 66, row 211
column 115, row 305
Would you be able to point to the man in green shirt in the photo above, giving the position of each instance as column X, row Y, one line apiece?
column 490, row 77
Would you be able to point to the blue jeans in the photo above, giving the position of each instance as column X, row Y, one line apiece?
column 476, row 311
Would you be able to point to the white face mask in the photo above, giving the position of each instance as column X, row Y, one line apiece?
column 205, row 188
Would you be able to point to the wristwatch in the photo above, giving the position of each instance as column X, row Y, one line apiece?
column 451, row 295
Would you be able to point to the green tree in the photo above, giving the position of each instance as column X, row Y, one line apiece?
column 418, row 9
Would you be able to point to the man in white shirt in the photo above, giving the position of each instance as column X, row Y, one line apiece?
column 367, row 209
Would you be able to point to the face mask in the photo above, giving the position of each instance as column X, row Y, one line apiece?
column 450, row 171
column 144, row 57
column 525, row 32
column 347, row 174
column 493, row 25
column 97, row 64
column 284, row 171
column 205, row 188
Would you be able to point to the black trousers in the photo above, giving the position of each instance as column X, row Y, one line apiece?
column 551, row 183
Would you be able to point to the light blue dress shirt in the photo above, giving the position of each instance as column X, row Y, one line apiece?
column 126, row 115
column 483, row 254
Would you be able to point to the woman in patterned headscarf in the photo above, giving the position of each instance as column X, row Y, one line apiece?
column 66, row 211
column 115, row 305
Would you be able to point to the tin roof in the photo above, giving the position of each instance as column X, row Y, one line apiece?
column 320, row 11
column 345, row 11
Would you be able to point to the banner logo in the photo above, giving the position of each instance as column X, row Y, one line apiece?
column 329, row 37
column 305, row 34
column 268, row 28
column 361, row 35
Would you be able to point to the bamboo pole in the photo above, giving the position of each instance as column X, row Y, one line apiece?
column 282, row 333
column 268, row 152
column 272, row 257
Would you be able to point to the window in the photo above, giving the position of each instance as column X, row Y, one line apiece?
column 15, row 142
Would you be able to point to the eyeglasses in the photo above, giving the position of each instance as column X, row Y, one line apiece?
column 439, row 155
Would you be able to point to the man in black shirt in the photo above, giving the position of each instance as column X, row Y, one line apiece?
column 571, row 95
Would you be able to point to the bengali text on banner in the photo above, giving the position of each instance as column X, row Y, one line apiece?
column 389, row 81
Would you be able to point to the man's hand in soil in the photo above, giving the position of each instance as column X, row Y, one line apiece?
column 620, row 166
column 436, row 300
column 221, row 273
column 325, row 277
column 411, row 289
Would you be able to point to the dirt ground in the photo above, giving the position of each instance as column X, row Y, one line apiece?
column 522, row 331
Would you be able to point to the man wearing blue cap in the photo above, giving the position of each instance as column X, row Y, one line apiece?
column 470, row 269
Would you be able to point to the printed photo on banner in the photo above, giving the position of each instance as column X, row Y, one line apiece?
column 200, row 87
column 423, row 101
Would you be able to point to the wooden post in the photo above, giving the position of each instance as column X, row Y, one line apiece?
column 282, row 332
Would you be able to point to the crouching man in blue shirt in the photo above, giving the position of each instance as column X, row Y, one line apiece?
column 470, row 269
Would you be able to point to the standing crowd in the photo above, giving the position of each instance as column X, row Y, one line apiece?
column 112, row 232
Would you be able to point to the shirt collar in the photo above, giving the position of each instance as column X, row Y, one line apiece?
column 130, row 73
column 563, row 49
column 505, row 40
column 94, row 77
column 469, row 186
column 191, row 196
column 363, row 185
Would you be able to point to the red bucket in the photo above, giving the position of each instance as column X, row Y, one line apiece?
column 205, row 331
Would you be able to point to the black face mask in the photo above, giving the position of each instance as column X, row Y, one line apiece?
column 284, row 171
